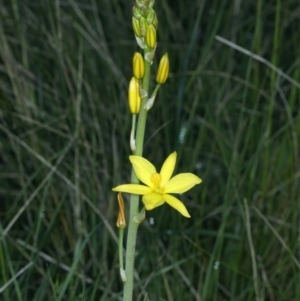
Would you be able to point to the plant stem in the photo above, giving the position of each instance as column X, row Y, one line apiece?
column 134, row 199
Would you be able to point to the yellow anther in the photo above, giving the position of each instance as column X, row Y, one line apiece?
column 155, row 179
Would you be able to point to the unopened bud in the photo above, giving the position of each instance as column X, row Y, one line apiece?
column 134, row 97
column 121, row 221
column 163, row 69
column 143, row 26
column 136, row 12
column 136, row 26
column 151, row 36
column 138, row 65
column 151, row 15
column 147, row 3
column 139, row 3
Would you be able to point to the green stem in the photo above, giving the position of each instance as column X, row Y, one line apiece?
column 134, row 199
column 155, row 90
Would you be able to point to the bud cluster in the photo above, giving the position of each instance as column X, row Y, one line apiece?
column 144, row 23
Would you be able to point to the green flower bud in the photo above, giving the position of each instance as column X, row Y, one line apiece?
column 144, row 4
column 151, row 16
column 163, row 69
column 136, row 26
column 139, row 3
column 151, row 36
column 138, row 65
column 134, row 98
column 136, row 12
column 143, row 26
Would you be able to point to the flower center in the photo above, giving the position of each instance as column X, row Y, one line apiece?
column 155, row 179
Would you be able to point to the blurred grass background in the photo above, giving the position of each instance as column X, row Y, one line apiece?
column 64, row 132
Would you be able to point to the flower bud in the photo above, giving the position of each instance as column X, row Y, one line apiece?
column 139, row 3
column 121, row 221
column 151, row 15
column 143, row 26
column 136, row 26
column 151, row 36
column 138, row 66
column 144, row 5
column 134, row 97
column 136, row 12
column 147, row 3
column 163, row 69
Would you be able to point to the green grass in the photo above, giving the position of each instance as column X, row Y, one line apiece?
column 64, row 132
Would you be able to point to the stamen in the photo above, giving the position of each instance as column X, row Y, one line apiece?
column 155, row 179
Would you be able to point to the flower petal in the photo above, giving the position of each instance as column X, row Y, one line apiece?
column 168, row 168
column 143, row 169
column 176, row 204
column 181, row 183
column 133, row 188
column 152, row 200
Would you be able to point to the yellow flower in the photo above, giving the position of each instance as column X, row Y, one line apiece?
column 159, row 185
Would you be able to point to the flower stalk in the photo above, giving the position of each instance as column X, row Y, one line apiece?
column 134, row 199
column 140, row 11
column 158, row 186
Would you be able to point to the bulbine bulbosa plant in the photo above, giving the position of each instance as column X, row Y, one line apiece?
column 156, row 188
